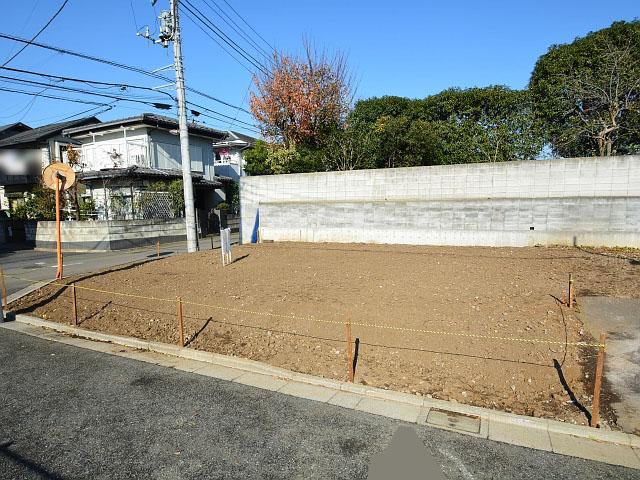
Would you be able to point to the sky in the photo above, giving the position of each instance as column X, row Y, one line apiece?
column 408, row 48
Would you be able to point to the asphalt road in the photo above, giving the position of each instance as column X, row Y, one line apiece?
column 67, row 412
column 37, row 265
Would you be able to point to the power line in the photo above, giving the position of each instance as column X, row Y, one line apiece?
column 74, row 100
column 222, row 120
column 236, row 27
column 118, row 65
column 109, row 107
column 133, row 14
column 150, row 102
column 246, row 94
column 86, row 81
column 37, row 34
column 218, row 113
column 195, row 22
column 248, row 25
column 224, row 37
column 90, row 82
column 146, row 100
column 33, row 9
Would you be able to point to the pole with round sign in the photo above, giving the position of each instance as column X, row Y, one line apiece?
column 59, row 177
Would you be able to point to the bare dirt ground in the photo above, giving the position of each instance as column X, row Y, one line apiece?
column 286, row 304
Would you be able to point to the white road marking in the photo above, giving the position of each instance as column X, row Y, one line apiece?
column 461, row 466
column 66, row 264
column 41, row 264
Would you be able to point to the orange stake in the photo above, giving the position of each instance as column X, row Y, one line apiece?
column 571, row 292
column 595, row 408
column 349, row 351
column 58, row 231
column 180, row 322
column 158, row 249
column 75, row 305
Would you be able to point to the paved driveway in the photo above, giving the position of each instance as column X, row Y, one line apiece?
column 619, row 318
column 38, row 265
column 67, row 412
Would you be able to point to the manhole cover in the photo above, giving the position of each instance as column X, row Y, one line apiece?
column 454, row 420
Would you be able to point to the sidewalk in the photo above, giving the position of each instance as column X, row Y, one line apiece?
column 611, row 447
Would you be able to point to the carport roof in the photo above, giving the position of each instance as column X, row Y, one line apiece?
column 150, row 173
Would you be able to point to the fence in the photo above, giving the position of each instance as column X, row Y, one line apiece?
column 579, row 201
column 125, row 204
column 149, row 205
column 183, row 325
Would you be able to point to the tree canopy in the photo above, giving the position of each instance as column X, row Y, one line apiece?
column 455, row 126
column 587, row 93
column 583, row 99
column 302, row 97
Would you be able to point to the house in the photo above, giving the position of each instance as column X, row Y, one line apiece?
column 229, row 154
column 123, row 162
column 12, row 129
column 25, row 151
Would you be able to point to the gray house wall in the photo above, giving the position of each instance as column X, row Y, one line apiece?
column 582, row 201
column 161, row 160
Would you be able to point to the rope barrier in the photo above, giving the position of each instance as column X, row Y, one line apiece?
column 332, row 322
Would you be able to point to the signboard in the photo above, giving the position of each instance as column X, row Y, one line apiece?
column 225, row 245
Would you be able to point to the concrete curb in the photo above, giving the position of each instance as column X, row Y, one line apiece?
column 27, row 290
column 606, row 446
column 43, row 283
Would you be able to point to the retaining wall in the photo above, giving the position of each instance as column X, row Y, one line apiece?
column 107, row 234
column 579, row 201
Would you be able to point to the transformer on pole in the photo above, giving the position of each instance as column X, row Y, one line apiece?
column 170, row 32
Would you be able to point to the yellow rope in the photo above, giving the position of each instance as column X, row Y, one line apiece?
column 355, row 324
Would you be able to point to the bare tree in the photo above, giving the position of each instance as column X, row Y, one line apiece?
column 599, row 99
column 346, row 149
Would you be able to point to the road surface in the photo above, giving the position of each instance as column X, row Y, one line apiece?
column 37, row 265
column 67, row 412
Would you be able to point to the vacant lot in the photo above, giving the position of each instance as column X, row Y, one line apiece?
column 285, row 304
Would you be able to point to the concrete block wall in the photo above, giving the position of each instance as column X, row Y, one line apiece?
column 581, row 201
column 103, row 235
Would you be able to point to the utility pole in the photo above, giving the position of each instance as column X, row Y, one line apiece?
column 187, row 182
column 170, row 31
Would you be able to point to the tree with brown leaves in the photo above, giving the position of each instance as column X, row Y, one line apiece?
column 301, row 98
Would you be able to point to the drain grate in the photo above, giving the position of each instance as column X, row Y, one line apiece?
column 454, row 420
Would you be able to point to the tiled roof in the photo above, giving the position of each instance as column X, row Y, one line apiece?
column 150, row 119
column 44, row 132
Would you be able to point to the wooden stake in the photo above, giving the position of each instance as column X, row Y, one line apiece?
column 571, row 292
column 4, row 287
column 180, row 322
column 158, row 249
column 212, row 242
column 75, row 305
column 595, row 408
column 349, row 351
